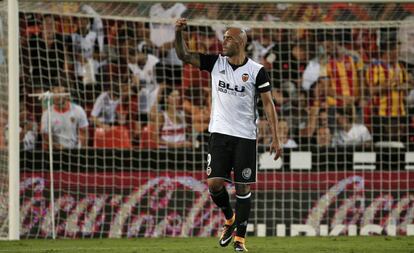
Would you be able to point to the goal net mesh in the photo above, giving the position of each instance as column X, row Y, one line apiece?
column 130, row 140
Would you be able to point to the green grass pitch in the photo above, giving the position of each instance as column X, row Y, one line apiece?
column 375, row 244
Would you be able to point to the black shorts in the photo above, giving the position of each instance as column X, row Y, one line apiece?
column 227, row 153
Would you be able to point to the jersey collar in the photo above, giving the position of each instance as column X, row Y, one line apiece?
column 234, row 67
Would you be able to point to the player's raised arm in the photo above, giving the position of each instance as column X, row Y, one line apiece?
column 181, row 47
column 271, row 116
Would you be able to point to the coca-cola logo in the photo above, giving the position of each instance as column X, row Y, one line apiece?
column 353, row 210
column 148, row 211
column 179, row 205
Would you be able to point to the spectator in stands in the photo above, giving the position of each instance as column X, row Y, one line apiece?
column 170, row 126
column 141, row 65
column 202, row 39
column 46, row 52
column 406, row 40
column 364, row 41
column 104, row 109
column 347, row 12
column 283, row 107
column 28, row 130
column 303, row 119
column 212, row 12
column 388, row 82
column 142, row 31
column 126, row 40
column 30, row 25
column 323, row 137
column 288, row 65
column 197, row 104
column 308, row 124
column 311, row 72
column 127, row 113
column 261, row 43
column 103, row 112
column 340, row 75
column 265, row 135
column 339, row 70
column 348, row 132
column 395, row 11
column 87, row 69
column 323, row 118
column 273, row 12
column 87, row 35
column 303, row 12
column 69, row 123
column 162, row 36
column 115, row 115
column 283, row 131
column 206, row 40
column 86, row 55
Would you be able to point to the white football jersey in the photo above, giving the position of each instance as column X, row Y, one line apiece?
column 173, row 132
column 104, row 108
column 85, row 44
column 65, row 125
column 234, row 95
column 161, row 33
column 148, row 83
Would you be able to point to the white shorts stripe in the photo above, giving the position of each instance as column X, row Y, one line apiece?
column 244, row 197
column 264, row 85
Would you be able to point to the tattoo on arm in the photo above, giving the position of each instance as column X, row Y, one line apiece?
column 182, row 51
column 270, row 112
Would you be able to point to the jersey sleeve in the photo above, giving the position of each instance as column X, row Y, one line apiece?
column 366, row 136
column 97, row 106
column 83, row 119
column 263, row 81
column 207, row 61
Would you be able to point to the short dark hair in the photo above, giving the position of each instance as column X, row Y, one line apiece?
column 347, row 112
column 324, row 35
column 322, row 111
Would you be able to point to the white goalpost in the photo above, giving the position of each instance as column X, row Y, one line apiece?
column 126, row 154
column 13, row 121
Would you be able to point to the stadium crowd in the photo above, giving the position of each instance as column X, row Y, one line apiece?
column 332, row 87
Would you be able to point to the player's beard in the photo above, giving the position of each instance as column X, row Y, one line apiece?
column 231, row 51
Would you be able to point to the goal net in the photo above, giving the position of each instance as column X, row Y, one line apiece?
column 115, row 133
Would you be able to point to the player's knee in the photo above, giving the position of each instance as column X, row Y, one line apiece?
column 242, row 189
column 215, row 185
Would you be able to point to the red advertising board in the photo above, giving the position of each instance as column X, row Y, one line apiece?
column 171, row 203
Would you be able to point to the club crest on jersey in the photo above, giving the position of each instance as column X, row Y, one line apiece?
column 72, row 119
column 246, row 173
column 245, row 77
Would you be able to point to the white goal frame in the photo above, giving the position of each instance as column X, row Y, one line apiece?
column 13, row 97
column 13, row 118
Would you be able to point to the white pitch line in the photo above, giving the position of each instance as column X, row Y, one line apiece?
column 85, row 248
